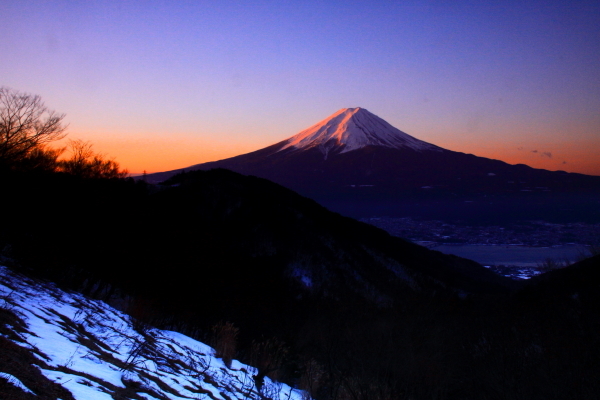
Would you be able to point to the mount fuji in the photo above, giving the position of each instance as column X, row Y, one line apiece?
column 356, row 163
column 352, row 129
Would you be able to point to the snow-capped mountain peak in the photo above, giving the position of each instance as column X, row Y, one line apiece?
column 351, row 129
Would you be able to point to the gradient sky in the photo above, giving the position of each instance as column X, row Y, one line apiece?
column 161, row 85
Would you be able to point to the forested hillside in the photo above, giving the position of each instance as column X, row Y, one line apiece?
column 357, row 313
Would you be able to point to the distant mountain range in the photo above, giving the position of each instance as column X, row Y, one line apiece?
column 356, row 163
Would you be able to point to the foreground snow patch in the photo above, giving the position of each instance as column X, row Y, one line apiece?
column 93, row 351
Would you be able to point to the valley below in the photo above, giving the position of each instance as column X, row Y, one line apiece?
column 517, row 250
column 518, row 256
column 518, row 262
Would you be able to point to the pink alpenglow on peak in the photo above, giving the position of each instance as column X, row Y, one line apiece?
column 351, row 129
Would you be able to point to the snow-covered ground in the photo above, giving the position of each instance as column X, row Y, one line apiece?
column 94, row 352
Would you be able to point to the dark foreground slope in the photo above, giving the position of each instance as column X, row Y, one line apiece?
column 57, row 344
column 244, row 235
column 366, row 315
column 578, row 283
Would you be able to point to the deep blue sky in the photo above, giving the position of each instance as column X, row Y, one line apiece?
column 162, row 85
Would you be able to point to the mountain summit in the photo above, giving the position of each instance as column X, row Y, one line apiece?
column 351, row 129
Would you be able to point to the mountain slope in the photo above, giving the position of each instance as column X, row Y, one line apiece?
column 265, row 253
column 63, row 345
column 579, row 282
column 219, row 246
column 356, row 163
column 370, row 315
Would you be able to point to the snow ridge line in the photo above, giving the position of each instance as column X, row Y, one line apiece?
column 351, row 129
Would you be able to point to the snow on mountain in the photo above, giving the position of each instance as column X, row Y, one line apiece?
column 351, row 129
column 87, row 350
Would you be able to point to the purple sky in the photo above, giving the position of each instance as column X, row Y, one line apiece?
column 163, row 85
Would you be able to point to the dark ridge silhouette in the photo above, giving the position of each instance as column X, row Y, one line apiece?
column 578, row 283
column 365, row 312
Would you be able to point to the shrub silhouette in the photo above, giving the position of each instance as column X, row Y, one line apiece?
column 85, row 163
column 268, row 357
column 311, row 378
column 224, row 341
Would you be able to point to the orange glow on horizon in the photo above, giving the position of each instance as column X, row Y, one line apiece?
column 157, row 154
column 565, row 157
column 153, row 153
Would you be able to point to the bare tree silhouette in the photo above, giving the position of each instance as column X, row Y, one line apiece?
column 84, row 162
column 26, row 124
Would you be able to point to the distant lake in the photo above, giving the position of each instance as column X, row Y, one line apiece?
column 513, row 255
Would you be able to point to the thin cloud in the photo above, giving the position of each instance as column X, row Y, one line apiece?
column 546, row 154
